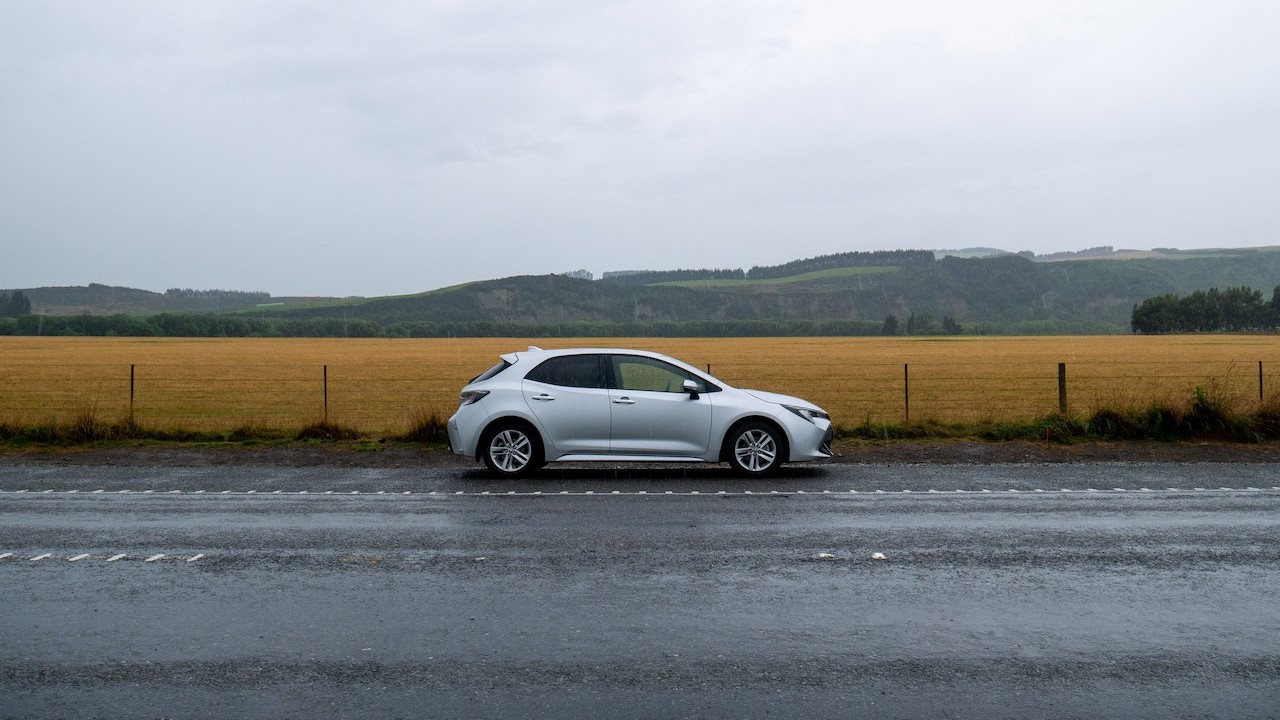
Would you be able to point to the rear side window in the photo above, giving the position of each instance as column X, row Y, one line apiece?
column 491, row 371
column 583, row 371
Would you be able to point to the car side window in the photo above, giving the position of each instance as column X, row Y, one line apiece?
column 635, row 372
column 583, row 371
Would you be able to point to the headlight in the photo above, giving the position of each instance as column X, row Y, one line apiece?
column 471, row 396
column 807, row 413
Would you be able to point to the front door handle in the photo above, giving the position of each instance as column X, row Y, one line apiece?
column 543, row 397
column 624, row 401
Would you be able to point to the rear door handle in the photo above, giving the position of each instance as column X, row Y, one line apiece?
column 543, row 397
column 624, row 401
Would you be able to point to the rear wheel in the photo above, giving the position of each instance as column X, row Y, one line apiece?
column 756, row 449
column 511, row 450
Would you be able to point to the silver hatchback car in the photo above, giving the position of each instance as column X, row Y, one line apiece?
column 544, row 406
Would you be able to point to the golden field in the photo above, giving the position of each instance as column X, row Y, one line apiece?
column 384, row 385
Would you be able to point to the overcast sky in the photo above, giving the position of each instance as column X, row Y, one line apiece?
column 371, row 148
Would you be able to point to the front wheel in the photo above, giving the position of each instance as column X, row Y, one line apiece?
column 756, row 449
column 511, row 450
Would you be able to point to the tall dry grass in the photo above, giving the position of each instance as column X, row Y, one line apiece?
column 406, row 388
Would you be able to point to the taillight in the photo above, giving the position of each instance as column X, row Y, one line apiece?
column 470, row 396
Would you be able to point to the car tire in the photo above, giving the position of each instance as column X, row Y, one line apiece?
column 511, row 449
column 755, row 449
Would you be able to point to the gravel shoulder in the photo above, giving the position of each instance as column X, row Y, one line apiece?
column 374, row 455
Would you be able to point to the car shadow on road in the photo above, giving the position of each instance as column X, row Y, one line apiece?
column 605, row 477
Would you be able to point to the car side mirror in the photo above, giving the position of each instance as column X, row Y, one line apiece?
column 691, row 387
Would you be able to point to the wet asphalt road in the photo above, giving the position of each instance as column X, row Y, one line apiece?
column 1092, row 590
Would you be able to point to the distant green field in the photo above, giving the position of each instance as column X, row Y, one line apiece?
column 815, row 276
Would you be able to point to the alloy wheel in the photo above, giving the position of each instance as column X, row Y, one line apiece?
column 755, row 450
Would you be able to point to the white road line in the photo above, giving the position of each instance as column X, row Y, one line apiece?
column 6, row 556
column 154, row 558
column 114, row 558
column 41, row 557
column 195, row 557
column 78, row 558
column 687, row 493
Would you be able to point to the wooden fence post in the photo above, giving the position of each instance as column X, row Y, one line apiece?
column 131, row 369
column 1260, row 397
column 906, row 394
column 326, row 394
column 1062, row 388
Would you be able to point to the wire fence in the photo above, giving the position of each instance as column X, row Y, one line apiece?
column 393, row 397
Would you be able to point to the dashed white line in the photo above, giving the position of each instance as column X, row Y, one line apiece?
column 154, row 558
column 195, row 558
column 114, row 558
column 6, row 556
column 78, row 558
column 41, row 557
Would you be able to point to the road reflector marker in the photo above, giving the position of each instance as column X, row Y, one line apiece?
column 41, row 557
column 77, row 558
column 195, row 557
column 154, row 558
column 114, row 558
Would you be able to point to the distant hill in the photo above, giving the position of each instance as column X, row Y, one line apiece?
column 1087, row 291
column 1007, row 292
column 96, row 299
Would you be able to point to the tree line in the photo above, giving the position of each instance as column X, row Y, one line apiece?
column 182, row 325
column 15, row 304
column 1236, row 309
